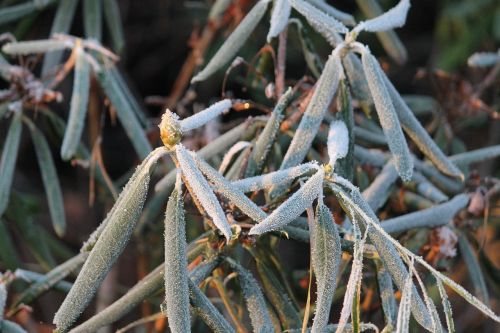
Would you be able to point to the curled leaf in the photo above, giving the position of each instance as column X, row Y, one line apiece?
column 295, row 205
column 326, row 254
column 78, row 106
column 393, row 18
column 201, row 190
column 234, row 42
column 176, row 273
column 387, row 116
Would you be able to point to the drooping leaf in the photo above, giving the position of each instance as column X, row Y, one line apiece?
column 256, row 304
column 393, row 18
column 78, row 106
column 116, row 231
column 114, row 23
column 403, row 320
column 234, row 42
column 387, row 116
column 8, row 160
column 200, row 189
column 50, row 180
column 447, row 306
column 92, row 19
column 386, row 292
column 326, row 254
column 176, row 273
column 201, row 118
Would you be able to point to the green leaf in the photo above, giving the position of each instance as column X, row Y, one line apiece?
column 8, row 252
column 92, row 19
column 176, row 273
column 256, row 304
column 326, row 254
column 49, row 280
column 116, row 231
column 126, row 116
column 8, row 160
column 234, row 42
column 62, row 24
column 114, row 23
column 78, row 106
column 16, row 12
column 50, row 179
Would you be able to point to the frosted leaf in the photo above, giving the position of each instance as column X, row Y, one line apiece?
column 293, row 206
column 314, row 114
column 326, row 254
column 386, row 292
column 428, row 190
column 379, row 190
column 403, row 321
column 484, row 59
column 3, row 296
column 268, row 180
column 353, row 283
column 78, row 106
column 200, row 189
column 446, row 306
column 387, row 116
column 256, row 304
column 393, row 18
column 323, row 23
column 343, row 17
column 234, row 42
column 175, row 271
column 228, row 157
column 338, row 141
column 419, row 134
column 475, row 156
column 116, row 231
column 233, row 193
column 36, row 46
column 433, row 217
column 201, row 118
column 279, row 18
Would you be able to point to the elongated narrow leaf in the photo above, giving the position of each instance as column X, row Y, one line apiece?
column 126, row 116
column 49, row 280
column 176, row 273
column 418, row 134
column 8, row 160
column 268, row 180
column 78, row 106
column 338, row 141
column 314, row 114
column 345, row 166
column 428, row 190
column 34, row 277
column 379, row 190
column 208, row 312
column 256, row 304
column 279, row 18
column 387, row 116
column 234, row 42
column 475, row 271
column 386, row 291
column 322, row 22
column 403, row 321
column 118, row 227
column 8, row 253
column 393, row 18
column 50, row 180
column 92, row 18
column 389, row 39
column 202, row 191
column 268, row 135
column 343, row 17
column 326, row 254
column 36, row 46
column 114, row 23
column 201, row 118
column 484, row 59
column 295, row 205
column 446, row 306
column 231, row 153
column 61, row 24
column 475, row 156
column 311, row 57
column 233, row 193
column 16, row 12
column 3, row 297
column 433, row 217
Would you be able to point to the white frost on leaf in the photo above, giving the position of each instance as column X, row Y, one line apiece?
column 279, row 18
column 393, row 18
column 338, row 141
column 201, row 118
